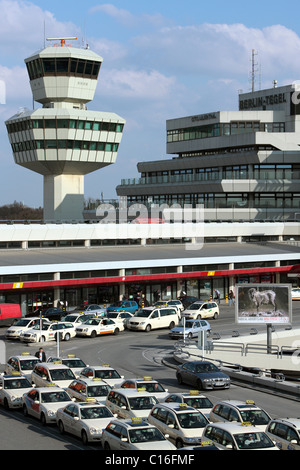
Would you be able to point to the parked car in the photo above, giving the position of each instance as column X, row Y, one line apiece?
column 14, row 331
column 239, row 411
column 91, row 308
column 83, row 389
column 192, row 398
column 108, row 374
column 285, row 432
column 47, row 373
column 151, row 318
column 295, row 293
column 99, row 327
column 200, row 310
column 84, row 420
column 49, row 332
column 123, row 317
column 42, row 403
column 12, row 388
column 128, row 402
column 24, row 364
column 134, row 434
column 182, row 423
column 127, row 305
column 53, row 313
column 189, row 329
column 75, row 363
column 237, row 436
column 170, row 303
column 204, row 375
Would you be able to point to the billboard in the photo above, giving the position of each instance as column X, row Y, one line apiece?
column 258, row 304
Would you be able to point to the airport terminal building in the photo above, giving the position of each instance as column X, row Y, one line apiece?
column 241, row 166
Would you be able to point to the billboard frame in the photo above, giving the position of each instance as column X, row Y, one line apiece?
column 250, row 304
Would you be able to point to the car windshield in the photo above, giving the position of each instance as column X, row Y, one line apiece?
column 54, row 397
column 117, row 304
column 62, row 374
column 255, row 416
column 73, row 363
column 198, row 402
column 95, row 412
column 22, row 322
column 28, row 364
column 142, row 403
column 17, row 383
column 206, row 367
column 194, row 307
column 153, row 387
column 45, row 326
column 145, row 435
column 192, row 420
column 186, row 323
column 71, row 318
column 98, row 390
column 107, row 374
column 143, row 313
column 92, row 321
column 112, row 314
column 253, row 440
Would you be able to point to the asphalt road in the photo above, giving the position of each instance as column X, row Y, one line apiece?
column 133, row 354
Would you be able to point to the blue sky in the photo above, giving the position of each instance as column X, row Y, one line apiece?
column 162, row 59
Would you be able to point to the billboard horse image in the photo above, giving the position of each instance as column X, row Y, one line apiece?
column 267, row 297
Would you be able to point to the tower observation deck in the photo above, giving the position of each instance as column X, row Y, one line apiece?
column 62, row 140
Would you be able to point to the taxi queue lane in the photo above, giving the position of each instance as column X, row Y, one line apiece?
column 141, row 358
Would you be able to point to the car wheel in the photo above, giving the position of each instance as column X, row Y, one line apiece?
column 42, row 339
column 106, row 446
column 25, row 411
column 93, row 334
column 179, row 379
column 190, row 336
column 67, row 337
column 148, row 328
column 84, row 437
column 117, row 331
column 172, row 325
column 5, row 404
column 215, row 316
column 61, row 427
column 179, row 444
column 199, row 317
column 199, row 384
column 43, row 419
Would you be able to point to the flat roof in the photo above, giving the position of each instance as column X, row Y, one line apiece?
column 125, row 257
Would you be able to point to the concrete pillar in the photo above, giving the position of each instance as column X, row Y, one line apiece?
column 63, row 197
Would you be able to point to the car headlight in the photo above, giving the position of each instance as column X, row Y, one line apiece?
column 51, row 413
column 208, row 380
column 95, row 431
column 15, row 398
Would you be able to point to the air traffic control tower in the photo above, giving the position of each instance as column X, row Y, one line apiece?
column 63, row 141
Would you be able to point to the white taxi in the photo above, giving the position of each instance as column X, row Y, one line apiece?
column 199, row 310
column 49, row 332
column 12, row 388
column 86, row 420
column 24, row 364
column 134, row 434
column 50, row 372
column 240, row 411
column 182, row 423
column 192, row 398
column 22, row 325
column 84, row 388
column 128, row 403
column 238, row 436
column 285, row 432
column 98, row 327
column 147, row 383
column 43, row 403
column 108, row 374
column 74, row 363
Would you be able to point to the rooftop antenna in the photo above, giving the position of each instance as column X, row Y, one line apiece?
column 62, row 40
column 254, row 70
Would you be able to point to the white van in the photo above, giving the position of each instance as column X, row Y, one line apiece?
column 199, row 310
column 150, row 318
